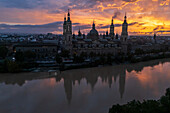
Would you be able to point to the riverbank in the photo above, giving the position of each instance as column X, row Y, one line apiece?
column 147, row 106
column 17, row 67
column 119, row 60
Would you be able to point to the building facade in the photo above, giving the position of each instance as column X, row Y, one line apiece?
column 40, row 49
column 108, row 44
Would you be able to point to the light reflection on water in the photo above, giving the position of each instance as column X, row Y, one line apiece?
column 90, row 90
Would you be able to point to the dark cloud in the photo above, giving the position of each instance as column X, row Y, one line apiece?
column 45, row 28
column 137, row 24
column 23, row 4
column 138, row 32
column 129, row 0
column 116, row 14
column 133, row 23
column 76, row 23
column 158, row 27
column 143, row 28
column 119, row 25
column 108, row 26
column 163, row 31
column 104, row 27
column 82, row 27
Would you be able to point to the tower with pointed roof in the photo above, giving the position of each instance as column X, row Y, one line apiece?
column 112, row 34
column 64, row 26
column 67, row 32
column 69, row 23
column 124, row 35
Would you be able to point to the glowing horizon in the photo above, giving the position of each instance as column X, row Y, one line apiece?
column 143, row 16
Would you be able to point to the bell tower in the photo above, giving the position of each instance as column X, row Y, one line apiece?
column 64, row 26
column 124, row 35
column 112, row 34
column 67, row 32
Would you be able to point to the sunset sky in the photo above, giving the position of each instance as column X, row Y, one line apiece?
column 42, row 16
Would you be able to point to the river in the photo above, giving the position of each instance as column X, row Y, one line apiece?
column 89, row 90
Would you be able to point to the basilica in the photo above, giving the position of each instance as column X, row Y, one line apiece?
column 93, row 42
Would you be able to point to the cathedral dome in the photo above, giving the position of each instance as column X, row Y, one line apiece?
column 93, row 34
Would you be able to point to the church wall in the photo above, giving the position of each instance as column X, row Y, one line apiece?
column 113, row 51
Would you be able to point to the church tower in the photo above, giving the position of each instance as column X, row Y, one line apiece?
column 69, row 23
column 64, row 26
column 112, row 34
column 124, row 35
column 79, row 33
column 67, row 32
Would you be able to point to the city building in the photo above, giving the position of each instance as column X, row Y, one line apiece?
column 42, row 50
column 93, row 43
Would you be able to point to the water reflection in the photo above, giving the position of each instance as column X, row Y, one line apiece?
column 108, row 75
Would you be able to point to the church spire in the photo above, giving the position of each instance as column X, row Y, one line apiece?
column 125, row 18
column 93, row 24
column 68, row 15
column 68, row 12
column 112, row 29
column 64, row 18
column 112, row 21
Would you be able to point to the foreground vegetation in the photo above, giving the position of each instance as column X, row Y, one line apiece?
column 147, row 106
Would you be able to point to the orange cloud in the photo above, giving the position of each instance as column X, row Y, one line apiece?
column 84, row 11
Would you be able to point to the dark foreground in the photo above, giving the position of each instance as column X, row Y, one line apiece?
column 147, row 106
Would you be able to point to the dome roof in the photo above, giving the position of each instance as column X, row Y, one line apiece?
column 94, row 32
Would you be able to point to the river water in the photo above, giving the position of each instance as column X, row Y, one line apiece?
column 90, row 90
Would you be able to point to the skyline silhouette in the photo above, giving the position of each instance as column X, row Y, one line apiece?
column 144, row 16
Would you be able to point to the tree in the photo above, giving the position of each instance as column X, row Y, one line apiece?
column 13, row 67
column 147, row 106
column 3, row 51
column 19, row 56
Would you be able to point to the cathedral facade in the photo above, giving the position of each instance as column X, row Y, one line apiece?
column 93, row 42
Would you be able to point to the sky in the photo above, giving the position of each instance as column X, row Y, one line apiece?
column 144, row 17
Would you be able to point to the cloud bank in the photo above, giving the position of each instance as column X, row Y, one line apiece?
column 33, row 15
